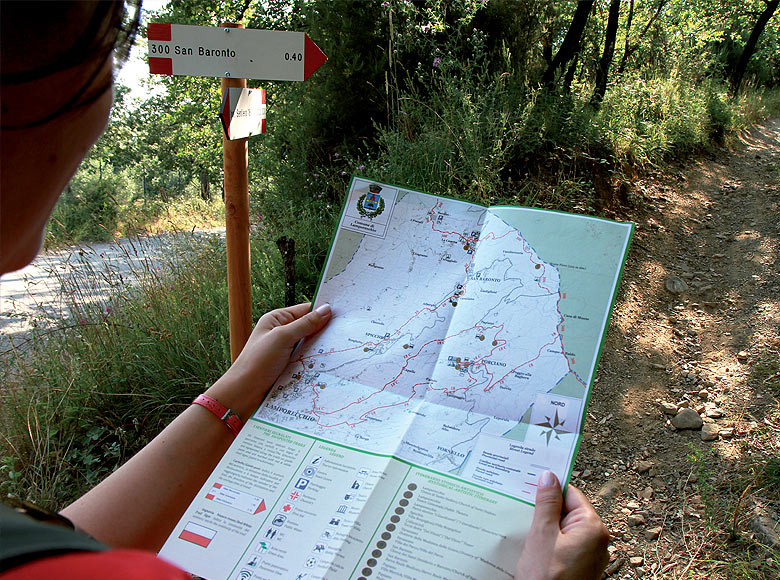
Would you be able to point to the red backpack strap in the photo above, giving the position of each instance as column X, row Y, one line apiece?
column 113, row 564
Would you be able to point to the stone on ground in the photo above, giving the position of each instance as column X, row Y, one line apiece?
column 687, row 419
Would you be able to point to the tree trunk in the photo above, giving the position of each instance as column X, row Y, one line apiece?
column 547, row 47
column 205, row 186
column 629, row 20
column 569, row 76
column 602, row 72
column 629, row 50
column 750, row 46
column 240, row 15
column 571, row 41
column 163, row 193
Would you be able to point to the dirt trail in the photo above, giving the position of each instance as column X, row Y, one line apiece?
column 36, row 295
column 713, row 348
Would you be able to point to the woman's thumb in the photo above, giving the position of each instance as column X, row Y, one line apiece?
column 549, row 502
column 308, row 324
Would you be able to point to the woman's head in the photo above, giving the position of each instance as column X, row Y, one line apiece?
column 56, row 76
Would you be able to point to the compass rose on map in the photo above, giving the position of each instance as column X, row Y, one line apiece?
column 553, row 417
column 554, row 426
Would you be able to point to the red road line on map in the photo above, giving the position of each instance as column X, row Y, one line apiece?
column 527, row 248
column 539, row 354
column 392, row 382
column 400, row 328
column 479, row 364
column 406, row 402
column 362, row 418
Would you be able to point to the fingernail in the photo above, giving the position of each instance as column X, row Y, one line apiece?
column 323, row 309
column 547, row 479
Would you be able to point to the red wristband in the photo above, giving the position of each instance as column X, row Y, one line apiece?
column 231, row 419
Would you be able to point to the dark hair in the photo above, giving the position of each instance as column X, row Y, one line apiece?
column 27, row 56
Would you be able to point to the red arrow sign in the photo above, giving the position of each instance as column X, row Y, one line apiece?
column 203, row 51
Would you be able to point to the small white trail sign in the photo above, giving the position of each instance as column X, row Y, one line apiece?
column 242, row 112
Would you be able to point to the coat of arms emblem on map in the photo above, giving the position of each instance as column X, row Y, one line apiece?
column 371, row 204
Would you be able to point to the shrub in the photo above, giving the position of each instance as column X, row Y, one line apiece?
column 88, row 209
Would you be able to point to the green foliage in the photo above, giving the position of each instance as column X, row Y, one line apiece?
column 94, row 389
column 724, row 498
column 455, row 143
column 10, row 478
column 702, row 461
column 91, row 390
column 720, row 114
column 343, row 102
column 643, row 121
column 771, row 473
column 179, row 133
column 97, row 209
column 89, row 209
column 310, row 222
column 443, row 96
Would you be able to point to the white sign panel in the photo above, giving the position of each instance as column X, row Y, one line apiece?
column 202, row 51
column 243, row 112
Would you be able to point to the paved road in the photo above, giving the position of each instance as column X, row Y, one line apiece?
column 37, row 294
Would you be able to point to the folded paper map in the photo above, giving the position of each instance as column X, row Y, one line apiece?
column 406, row 439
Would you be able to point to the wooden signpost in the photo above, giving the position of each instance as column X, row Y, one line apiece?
column 234, row 54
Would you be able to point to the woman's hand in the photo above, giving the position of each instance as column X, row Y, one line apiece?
column 265, row 356
column 567, row 540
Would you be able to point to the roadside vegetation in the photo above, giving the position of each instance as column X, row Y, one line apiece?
column 526, row 102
